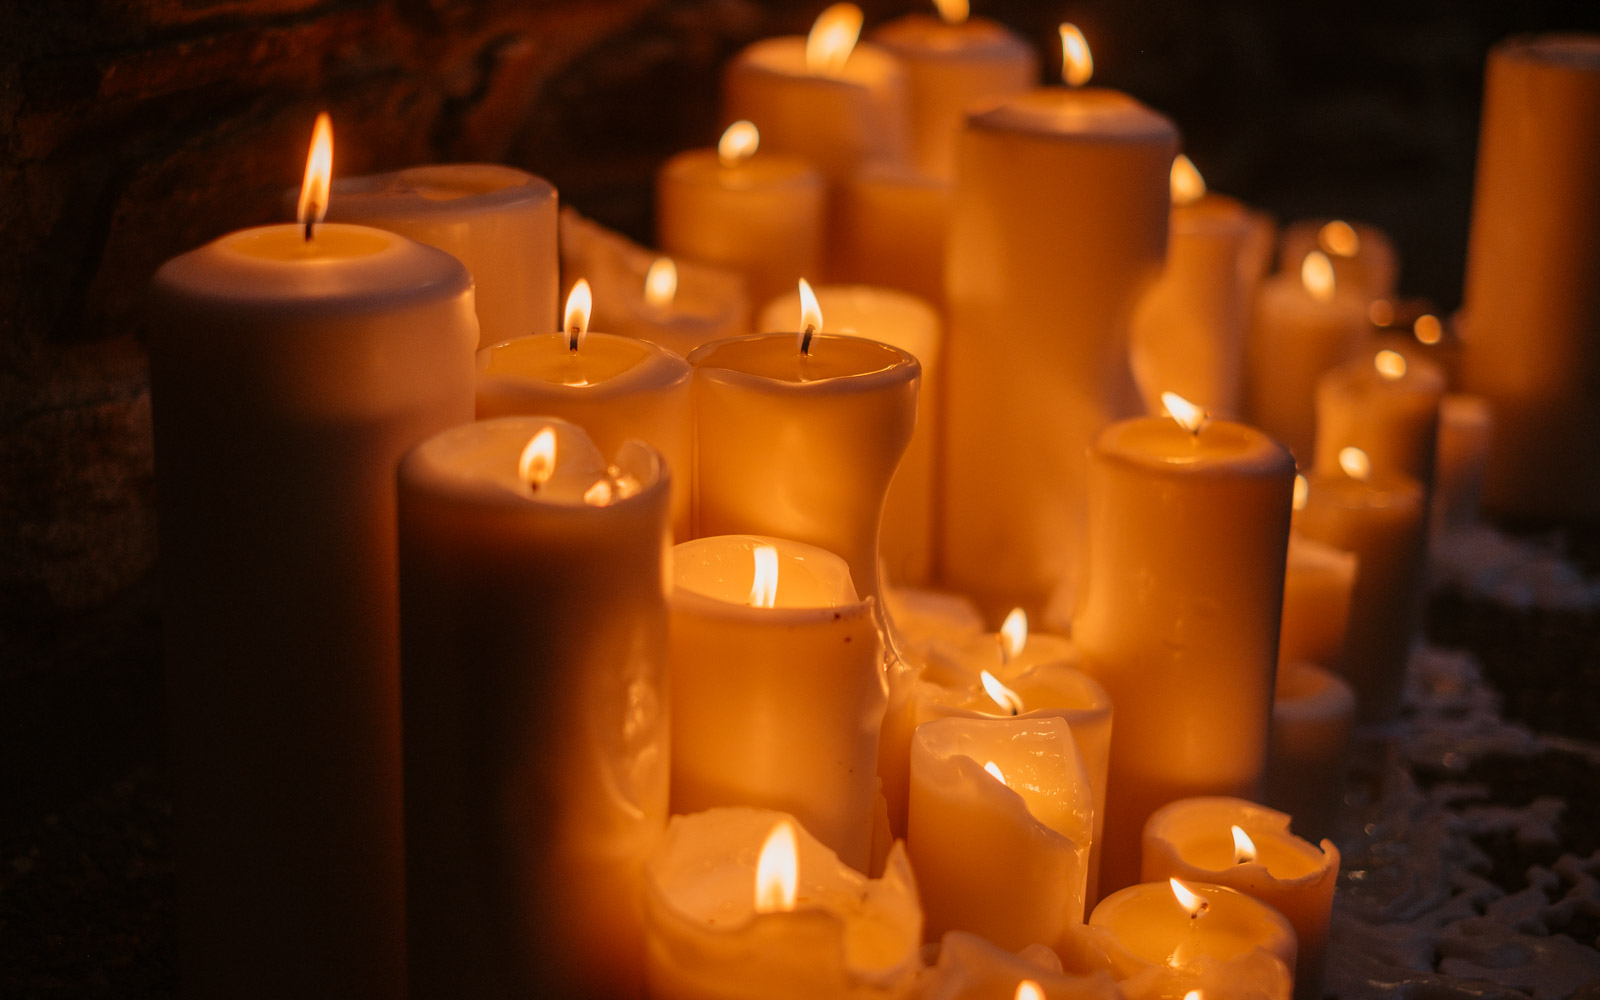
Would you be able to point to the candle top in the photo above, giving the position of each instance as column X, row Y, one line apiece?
column 723, row 567
column 1306, row 691
column 835, row 363
column 1149, row 922
column 885, row 315
column 1219, row 447
column 765, row 171
column 603, row 365
column 441, row 188
column 1029, row 765
column 925, row 36
column 868, row 65
column 1078, row 113
column 1559, row 50
column 1199, row 832
column 1387, row 372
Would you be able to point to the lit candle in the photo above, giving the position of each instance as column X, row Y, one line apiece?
column 777, row 687
column 1313, row 714
column 1188, row 537
column 999, row 828
column 1058, row 226
column 972, row 968
column 1248, row 847
column 744, row 904
column 616, row 388
column 888, row 229
column 498, row 221
column 1317, row 585
column 1466, row 427
column 1386, row 406
column 534, row 655
column 291, row 366
column 1363, row 257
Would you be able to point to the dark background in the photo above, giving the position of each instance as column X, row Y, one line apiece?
column 137, row 129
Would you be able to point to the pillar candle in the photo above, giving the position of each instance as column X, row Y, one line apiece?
column 761, row 216
column 923, row 615
column 1313, row 713
column 802, row 444
column 999, row 828
column 277, row 437
column 533, row 652
column 1387, row 407
column 1364, row 259
column 818, row 928
column 953, row 62
column 498, row 221
column 1466, row 427
column 907, row 322
column 1188, row 535
column 889, row 229
column 777, row 692
column 1248, row 847
column 1059, row 224
column 1317, row 586
column 972, row 968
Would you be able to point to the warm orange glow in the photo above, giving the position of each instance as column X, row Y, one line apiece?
column 1002, row 695
column 810, row 316
column 738, row 143
column 1028, row 990
column 833, row 38
column 661, row 282
column 598, row 495
column 1302, row 490
column 1244, row 849
column 1390, row 364
column 538, row 461
column 1192, row 995
column 319, row 175
column 995, row 772
column 1339, row 239
column 1192, row 903
column 952, row 11
column 778, row 871
column 1427, row 329
column 1316, row 274
column 764, row 579
column 1076, row 63
column 1380, row 312
column 1013, row 635
column 1355, row 463
column 1188, row 186
column 575, row 320
column 1189, row 416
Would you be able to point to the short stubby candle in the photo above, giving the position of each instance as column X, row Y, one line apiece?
column 1313, row 715
column 972, row 968
column 1364, row 259
column 533, row 661
column 1248, row 847
column 1388, row 407
column 744, row 904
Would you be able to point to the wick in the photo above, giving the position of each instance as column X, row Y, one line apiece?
column 573, row 333
column 1197, row 914
column 310, row 225
column 805, row 339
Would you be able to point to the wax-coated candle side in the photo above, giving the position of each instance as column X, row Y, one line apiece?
column 1466, row 429
column 889, row 230
column 1317, row 585
column 1395, row 420
column 1313, row 714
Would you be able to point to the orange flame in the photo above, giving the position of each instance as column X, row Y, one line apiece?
column 661, row 282
column 1316, row 274
column 1188, row 186
column 538, row 461
column 1380, row 312
column 778, row 871
column 1013, row 635
column 1390, row 364
column 1244, row 849
column 738, row 143
column 1427, row 329
column 996, row 773
column 764, row 580
column 953, row 11
column 1191, row 902
column 833, row 38
column 1002, row 695
column 1189, row 416
column 1077, row 65
column 319, row 175
column 575, row 321
column 1339, row 239
column 1355, row 463
column 810, row 316
column 1302, row 490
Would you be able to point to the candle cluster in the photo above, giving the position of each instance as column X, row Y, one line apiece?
column 511, row 657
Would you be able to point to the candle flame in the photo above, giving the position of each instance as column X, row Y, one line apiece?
column 319, row 175
column 996, row 773
column 1244, row 849
column 661, row 282
column 833, row 38
column 1077, row 65
column 1002, row 695
column 538, row 461
column 1188, row 186
column 1339, row 239
column 810, row 316
column 953, row 11
column 764, row 580
column 1189, row 416
column 1316, row 274
column 576, row 319
column 1192, row 995
column 738, row 143
column 598, row 495
column 1390, row 364
column 1355, row 463
column 1380, row 312
column 1191, row 902
column 1013, row 635
column 778, row 871
column 1427, row 329
column 1302, row 490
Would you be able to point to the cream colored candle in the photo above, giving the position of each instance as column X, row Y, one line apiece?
column 1313, row 714
column 277, row 437
column 1466, row 427
column 498, row 221
column 922, row 616
column 1059, row 224
column 972, row 968
column 1383, row 522
column 1532, row 318
column 1188, row 535
column 1302, row 326
column 533, row 660
column 1316, row 603
column 1386, row 406
column 762, row 216
column 999, row 828
column 1248, row 847
column 889, row 228
column 901, row 320
column 1364, row 259
column 744, row 904
column 953, row 62
column 777, row 687
column 802, row 444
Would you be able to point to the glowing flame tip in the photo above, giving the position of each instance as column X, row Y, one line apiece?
column 1302, row 490
column 1188, row 186
column 1244, row 849
column 1427, row 329
column 1189, row 416
column 1188, row 899
column 1013, row 635
column 995, row 772
column 764, row 579
column 1390, row 364
column 1077, row 65
column 738, row 143
column 575, row 320
column 833, row 38
column 953, row 11
column 661, row 282
column 778, row 871
column 1028, row 990
column 810, row 316
column 1000, row 694
column 1316, row 274
column 1339, row 238
column 1355, row 463
column 538, row 461
column 319, row 175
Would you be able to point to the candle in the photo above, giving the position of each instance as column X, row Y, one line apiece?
column 759, row 216
column 291, row 366
column 498, row 221
column 889, row 230
column 533, row 652
column 1363, row 257
column 999, row 828
column 922, row 615
column 1317, row 585
column 1248, row 847
column 904, row 321
column 802, row 441
column 777, row 687
column 1381, row 520
column 971, row 968
column 952, row 63
column 1188, row 332
column 1058, row 225
column 1531, row 315
column 1188, row 537
column 745, row 903
column 1313, row 713
column 1386, row 406
column 1303, row 326
column 1466, row 427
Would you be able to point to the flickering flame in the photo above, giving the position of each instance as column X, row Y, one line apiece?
column 319, row 175
column 1244, row 849
column 1316, row 274
column 764, row 580
column 778, row 871
column 1427, row 329
column 1390, row 364
column 1188, row 186
column 738, row 143
column 661, row 282
column 1002, row 695
column 1339, row 239
column 1380, row 312
column 1192, row 995
column 576, row 319
column 1076, row 63
column 1188, row 900
column 996, row 773
column 833, row 38
column 1013, row 635
column 810, row 316
column 1355, row 463
column 952, row 11
column 1302, row 490
column 1189, row 416
column 598, row 495
column 538, row 461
